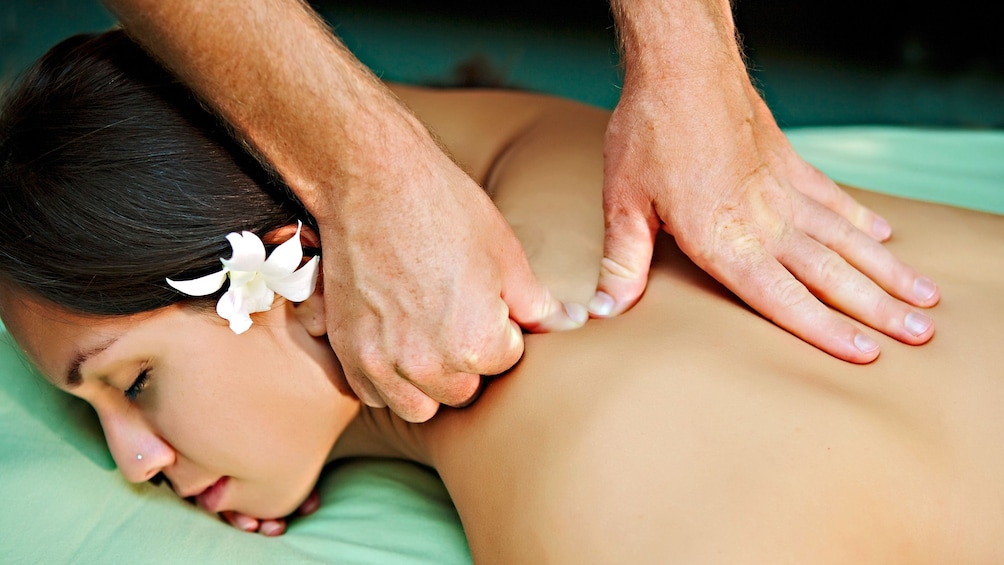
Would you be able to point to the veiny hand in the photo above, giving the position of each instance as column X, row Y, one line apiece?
column 707, row 163
column 426, row 286
column 274, row 527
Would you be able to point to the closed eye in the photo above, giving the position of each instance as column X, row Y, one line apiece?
column 138, row 385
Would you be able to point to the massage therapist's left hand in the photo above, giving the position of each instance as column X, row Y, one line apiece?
column 693, row 149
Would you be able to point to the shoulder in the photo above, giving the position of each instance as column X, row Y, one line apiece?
column 476, row 124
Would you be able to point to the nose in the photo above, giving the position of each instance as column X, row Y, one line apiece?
column 138, row 451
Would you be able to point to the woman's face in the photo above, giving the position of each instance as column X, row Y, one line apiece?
column 240, row 422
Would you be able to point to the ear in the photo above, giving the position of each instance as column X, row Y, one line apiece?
column 308, row 237
column 310, row 313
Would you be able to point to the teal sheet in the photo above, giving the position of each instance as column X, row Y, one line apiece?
column 63, row 501
column 960, row 167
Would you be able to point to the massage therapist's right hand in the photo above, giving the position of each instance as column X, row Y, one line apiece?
column 426, row 285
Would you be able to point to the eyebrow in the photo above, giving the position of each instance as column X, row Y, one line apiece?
column 73, row 377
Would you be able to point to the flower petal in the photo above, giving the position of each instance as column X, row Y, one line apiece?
column 249, row 252
column 286, row 257
column 299, row 285
column 202, row 286
column 231, row 308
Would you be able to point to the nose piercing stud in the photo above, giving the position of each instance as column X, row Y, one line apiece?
column 139, row 457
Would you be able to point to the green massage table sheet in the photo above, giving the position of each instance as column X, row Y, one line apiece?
column 64, row 502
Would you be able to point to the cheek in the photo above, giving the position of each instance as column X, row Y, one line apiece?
column 260, row 414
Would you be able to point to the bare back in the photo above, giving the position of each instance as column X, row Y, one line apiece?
column 690, row 429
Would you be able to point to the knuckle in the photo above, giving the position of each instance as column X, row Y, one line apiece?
column 419, row 367
column 789, row 294
column 372, row 363
column 416, row 407
column 484, row 351
column 829, row 271
column 844, row 232
column 617, row 269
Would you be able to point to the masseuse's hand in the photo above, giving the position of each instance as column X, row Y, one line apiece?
column 275, row 526
column 425, row 283
column 430, row 284
column 705, row 160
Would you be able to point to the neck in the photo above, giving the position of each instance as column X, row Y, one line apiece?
column 378, row 432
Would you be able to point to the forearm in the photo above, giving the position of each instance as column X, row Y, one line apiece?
column 682, row 59
column 676, row 39
column 284, row 82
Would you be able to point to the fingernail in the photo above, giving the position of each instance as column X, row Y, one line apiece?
column 917, row 323
column 246, row 523
column 865, row 344
column 270, row 529
column 881, row 228
column 602, row 304
column 924, row 288
column 577, row 312
column 515, row 336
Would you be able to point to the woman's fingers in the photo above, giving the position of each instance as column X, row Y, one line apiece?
column 250, row 524
column 271, row 527
column 240, row 521
column 310, row 504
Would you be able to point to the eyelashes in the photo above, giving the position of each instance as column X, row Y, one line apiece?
column 138, row 385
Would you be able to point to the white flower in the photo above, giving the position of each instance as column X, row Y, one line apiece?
column 255, row 280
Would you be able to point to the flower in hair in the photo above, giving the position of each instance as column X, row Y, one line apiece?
column 255, row 279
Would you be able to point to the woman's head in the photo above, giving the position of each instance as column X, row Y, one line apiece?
column 113, row 178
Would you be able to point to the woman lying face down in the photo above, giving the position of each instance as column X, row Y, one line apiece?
column 116, row 179
column 688, row 429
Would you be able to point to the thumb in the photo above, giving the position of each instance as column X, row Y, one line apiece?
column 627, row 255
column 534, row 308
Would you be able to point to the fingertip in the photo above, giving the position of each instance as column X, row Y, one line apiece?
column 881, row 230
column 617, row 289
column 578, row 313
column 601, row 305
column 272, row 528
column 311, row 504
column 919, row 326
column 867, row 349
column 562, row 317
column 627, row 256
column 242, row 522
column 925, row 291
column 515, row 337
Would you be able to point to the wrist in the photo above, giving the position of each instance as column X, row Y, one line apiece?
column 677, row 40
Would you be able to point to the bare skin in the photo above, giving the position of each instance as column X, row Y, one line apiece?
column 691, row 429
column 432, row 285
column 785, row 238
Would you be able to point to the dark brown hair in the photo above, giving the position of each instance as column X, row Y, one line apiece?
column 114, row 177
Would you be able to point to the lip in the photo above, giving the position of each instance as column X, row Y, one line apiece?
column 211, row 498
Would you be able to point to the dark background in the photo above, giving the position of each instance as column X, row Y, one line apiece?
column 816, row 62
